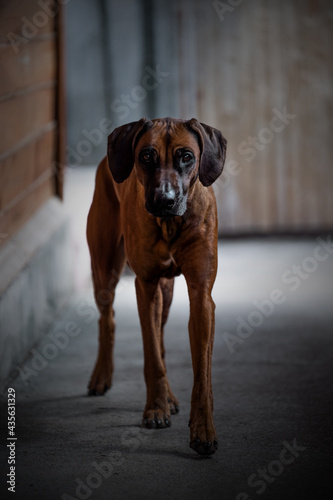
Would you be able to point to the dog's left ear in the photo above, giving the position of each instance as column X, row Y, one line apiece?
column 213, row 150
column 121, row 144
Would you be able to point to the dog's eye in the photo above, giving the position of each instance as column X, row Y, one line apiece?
column 186, row 157
column 147, row 156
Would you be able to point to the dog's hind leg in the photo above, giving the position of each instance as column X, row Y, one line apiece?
column 167, row 293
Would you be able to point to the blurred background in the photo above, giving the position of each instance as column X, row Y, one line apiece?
column 239, row 66
column 261, row 72
column 73, row 70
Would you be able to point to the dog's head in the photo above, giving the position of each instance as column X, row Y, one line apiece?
column 168, row 155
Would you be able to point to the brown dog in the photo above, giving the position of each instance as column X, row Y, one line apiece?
column 154, row 208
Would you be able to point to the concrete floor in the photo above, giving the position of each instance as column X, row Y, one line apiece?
column 272, row 385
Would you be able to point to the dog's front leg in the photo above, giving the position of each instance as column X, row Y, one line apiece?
column 201, row 330
column 150, row 305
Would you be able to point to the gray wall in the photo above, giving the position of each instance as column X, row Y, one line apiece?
column 115, row 72
column 260, row 71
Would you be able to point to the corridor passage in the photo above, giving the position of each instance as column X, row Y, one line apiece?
column 272, row 380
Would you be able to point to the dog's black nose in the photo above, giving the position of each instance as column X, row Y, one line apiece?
column 165, row 199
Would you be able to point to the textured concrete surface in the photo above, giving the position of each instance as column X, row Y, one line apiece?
column 35, row 279
column 272, row 388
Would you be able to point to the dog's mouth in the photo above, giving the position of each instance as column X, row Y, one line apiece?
column 164, row 212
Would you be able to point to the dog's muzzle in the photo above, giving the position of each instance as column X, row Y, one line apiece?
column 166, row 202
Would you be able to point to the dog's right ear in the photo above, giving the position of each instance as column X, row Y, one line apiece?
column 121, row 144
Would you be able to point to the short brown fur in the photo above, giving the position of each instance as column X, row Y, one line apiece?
column 120, row 229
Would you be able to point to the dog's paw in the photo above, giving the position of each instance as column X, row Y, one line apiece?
column 156, row 419
column 173, row 405
column 203, row 438
column 205, row 448
column 99, row 383
column 97, row 392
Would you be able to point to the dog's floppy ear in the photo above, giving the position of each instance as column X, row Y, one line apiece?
column 121, row 148
column 213, row 150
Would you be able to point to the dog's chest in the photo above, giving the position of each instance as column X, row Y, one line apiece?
column 170, row 228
